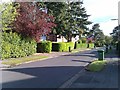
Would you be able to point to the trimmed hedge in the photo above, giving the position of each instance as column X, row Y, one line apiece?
column 91, row 45
column 14, row 45
column 44, row 47
column 62, row 46
column 83, row 45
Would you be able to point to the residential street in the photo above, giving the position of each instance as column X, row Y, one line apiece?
column 50, row 73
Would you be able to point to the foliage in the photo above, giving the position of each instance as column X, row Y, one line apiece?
column 84, row 40
column 33, row 22
column 44, row 47
column 8, row 14
column 57, row 9
column 79, row 16
column 14, row 45
column 108, row 40
column 83, row 45
column 69, row 16
column 91, row 45
column 99, row 37
column 69, row 45
column 62, row 46
column 115, row 34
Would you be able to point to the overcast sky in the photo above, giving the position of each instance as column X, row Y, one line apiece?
column 102, row 11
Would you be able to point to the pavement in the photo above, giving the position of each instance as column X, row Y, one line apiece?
column 107, row 78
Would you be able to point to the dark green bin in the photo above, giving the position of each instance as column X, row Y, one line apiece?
column 100, row 54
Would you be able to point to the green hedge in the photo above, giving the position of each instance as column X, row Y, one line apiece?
column 62, row 46
column 44, row 47
column 83, row 45
column 14, row 45
column 91, row 45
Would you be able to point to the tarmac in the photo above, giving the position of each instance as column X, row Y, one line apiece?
column 107, row 78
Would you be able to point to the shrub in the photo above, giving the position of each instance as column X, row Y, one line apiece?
column 81, row 45
column 62, row 46
column 14, row 45
column 44, row 47
column 6, row 50
column 79, row 41
column 91, row 45
column 69, row 44
column 83, row 40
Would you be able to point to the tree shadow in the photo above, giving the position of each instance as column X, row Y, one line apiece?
column 85, row 53
column 39, row 77
column 85, row 61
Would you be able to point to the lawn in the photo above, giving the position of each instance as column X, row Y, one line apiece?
column 96, row 65
column 17, row 61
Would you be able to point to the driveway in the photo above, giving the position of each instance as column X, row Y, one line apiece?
column 50, row 73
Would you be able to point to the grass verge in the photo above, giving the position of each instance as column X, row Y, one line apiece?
column 17, row 61
column 96, row 65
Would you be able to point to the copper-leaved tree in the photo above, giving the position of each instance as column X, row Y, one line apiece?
column 32, row 21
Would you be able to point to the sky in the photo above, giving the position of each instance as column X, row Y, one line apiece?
column 102, row 11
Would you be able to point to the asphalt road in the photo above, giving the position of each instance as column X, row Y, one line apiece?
column 50, row 73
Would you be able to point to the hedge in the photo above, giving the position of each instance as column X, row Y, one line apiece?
column 14, row 45
column 44, row 47
column 83, row 45
column 91, row 45
column 62, row 46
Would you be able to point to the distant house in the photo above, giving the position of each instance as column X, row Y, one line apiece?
column 58, row 38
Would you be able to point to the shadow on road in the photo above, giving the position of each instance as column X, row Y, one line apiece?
column 90, row 53
column 82, row 61
column 39, row 77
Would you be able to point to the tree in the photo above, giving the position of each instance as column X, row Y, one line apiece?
column 69, row 16
column 115, row 34
column 80, row 17
column 32, row 21
column 8, row 14
column 98, row 34
column 58, row 10
column 108, row 40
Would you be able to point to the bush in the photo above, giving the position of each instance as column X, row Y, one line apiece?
column 69, row 44
column 81, row 45
column 91, row 45
column 83, row 40
column 14, row 45
column 62, row 46
column 6, row 50
column 44, row 47
column 79, row 41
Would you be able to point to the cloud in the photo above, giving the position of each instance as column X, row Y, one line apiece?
column 108, row 26
column 102, row 11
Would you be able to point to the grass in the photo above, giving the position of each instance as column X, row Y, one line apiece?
column 96, row 65
column 17, row 61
